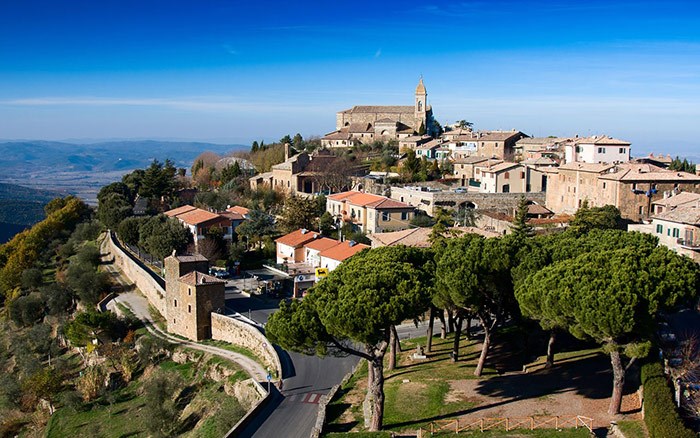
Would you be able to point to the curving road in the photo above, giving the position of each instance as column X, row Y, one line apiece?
column 292, row 412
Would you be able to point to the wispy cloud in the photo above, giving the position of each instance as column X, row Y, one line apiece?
column 378, row 53
column 230, row 50
column 194, row 104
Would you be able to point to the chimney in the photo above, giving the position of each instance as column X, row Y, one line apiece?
column 304, row 231
column 287, row 151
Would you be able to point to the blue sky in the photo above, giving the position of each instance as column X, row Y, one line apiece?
column 230, row 71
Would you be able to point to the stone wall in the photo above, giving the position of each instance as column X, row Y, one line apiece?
column 429, row 201
column 228, row 329
column 153, row 287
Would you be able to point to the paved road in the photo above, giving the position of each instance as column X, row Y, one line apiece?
column 139, row 305
column 292, row 413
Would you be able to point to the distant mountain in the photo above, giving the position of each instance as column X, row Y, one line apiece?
column 81, row 169
column 20, row 208
column 31, row 156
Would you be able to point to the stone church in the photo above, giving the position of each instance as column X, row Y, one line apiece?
column 363, row 124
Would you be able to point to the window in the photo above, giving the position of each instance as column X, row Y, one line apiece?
column 641, row 209
column 386, row 216
column 189, row 308
column 676, row 232
column 189, row 291
column 506, row 188
column 579, row 149
column 601, row 150
column 622, row 150
column 174, row 303
column 659, row 228
column 522, row 175
column 506, row 175
column 404, row 215
column 605, row 185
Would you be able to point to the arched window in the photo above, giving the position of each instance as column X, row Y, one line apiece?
column 420, row 106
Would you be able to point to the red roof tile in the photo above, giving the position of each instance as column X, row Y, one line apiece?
column 298, row 238
column 321, row 244
column 343, row 251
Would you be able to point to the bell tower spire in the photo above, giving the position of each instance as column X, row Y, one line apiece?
column 421, row 105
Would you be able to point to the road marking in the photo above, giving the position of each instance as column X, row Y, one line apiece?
column 312, row 398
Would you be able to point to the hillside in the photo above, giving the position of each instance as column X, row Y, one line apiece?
column 20, row 208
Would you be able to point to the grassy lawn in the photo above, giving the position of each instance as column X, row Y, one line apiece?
column 420, row 391
column 415, row 390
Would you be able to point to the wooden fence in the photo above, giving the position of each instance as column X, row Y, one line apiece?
column 510, row 423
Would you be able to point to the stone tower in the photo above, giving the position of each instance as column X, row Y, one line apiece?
column 421, row 106
column 191, row 296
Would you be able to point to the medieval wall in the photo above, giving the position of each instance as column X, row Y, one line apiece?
column 148, row 283
column 228, row 329
column 429, row 201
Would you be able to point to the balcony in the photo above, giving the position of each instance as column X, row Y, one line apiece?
column 689, row 244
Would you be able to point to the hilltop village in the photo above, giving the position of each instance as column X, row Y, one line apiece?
column 395, row 274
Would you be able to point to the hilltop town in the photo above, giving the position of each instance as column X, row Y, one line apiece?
column 394, row 274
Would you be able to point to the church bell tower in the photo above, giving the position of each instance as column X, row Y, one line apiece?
column 421, row 106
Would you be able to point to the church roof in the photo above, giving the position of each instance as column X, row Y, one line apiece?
column 420, row 89
column 393, row 109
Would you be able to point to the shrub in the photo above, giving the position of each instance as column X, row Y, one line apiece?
column 661, row 416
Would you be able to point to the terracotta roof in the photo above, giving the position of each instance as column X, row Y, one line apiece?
column 185, row 258
column 602, row 140
column 587, row 167
column 368, row 200
column 359, row 127
column 629, row 172
column 337, row 135
column 238, row 209
column 541, row 161
column 685, row 214
column 470, row 160
column 418, row 237
column 499, row 135
column 393, row 109
column 542, row 140
column 232, row 215
column 196, row 278
column 321, row 244
column 500, row 167
column 538, row 209
column 178, row 211
column 198, row 216
column 298, row 238
column 678, row 199
column 343, row 250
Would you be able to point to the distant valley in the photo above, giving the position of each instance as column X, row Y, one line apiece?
column 81, row 169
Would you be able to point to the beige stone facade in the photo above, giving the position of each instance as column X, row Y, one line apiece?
column 191, row 296
column 367, row 123
column 631, row 187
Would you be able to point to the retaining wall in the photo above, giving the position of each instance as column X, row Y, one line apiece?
column 151, row 285
column 228, row 329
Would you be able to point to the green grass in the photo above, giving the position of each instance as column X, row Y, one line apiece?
column 407, row 402
column 632, row 428
column 236, row 349
column 123, row 418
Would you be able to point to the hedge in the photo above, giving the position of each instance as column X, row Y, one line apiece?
column 660, row 413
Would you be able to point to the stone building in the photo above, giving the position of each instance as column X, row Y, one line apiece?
column 367, row 123
column 370, row 213
column 297, row 174
column 631, row 187
column 191, row 296
column 597, row 149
